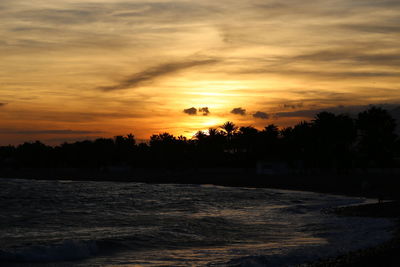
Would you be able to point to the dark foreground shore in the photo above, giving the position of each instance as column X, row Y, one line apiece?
column 385, row 255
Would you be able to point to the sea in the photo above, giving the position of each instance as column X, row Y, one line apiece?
column 84, row 223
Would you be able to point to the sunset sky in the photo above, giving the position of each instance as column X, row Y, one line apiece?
column 78, row 69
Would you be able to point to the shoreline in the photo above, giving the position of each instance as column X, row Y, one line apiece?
column 369, row 185
column 384, row 254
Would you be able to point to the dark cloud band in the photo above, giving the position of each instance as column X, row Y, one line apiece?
column 261, row 115
column 150, row 74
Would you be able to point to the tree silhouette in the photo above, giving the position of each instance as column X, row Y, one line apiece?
column 215, row 143
column 302, row 143
column 329, row 142
column 247, row 138
column 271, row 131
column 376, row 135
column 215, row 136
column 163, row 141
column 269, row 143
column 248, row 131
column 213, row 132
column 333, row 136
column 34, row 154
column 200, row 136
column 246, row 142
column 229, row 128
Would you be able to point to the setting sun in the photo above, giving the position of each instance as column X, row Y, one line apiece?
column 84, row 69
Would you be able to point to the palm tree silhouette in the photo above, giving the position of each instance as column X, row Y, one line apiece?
column 377, row 135
column 212, row 132
column 200, row 135
column 230, row 128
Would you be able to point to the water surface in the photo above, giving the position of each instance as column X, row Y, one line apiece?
column 129, row 224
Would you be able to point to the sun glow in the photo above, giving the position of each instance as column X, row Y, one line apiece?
column 212, row 122
column 201, row 123
column 138, row 68
column 212, row 94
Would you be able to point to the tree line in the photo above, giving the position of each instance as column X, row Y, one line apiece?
column 329, row 141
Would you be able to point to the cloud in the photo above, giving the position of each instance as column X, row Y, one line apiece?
column 261, row 115
column 340, row 109
column 58, row 16
column 150, row 74
column 372, row 28
column 113, row 11
column 307, row 113
column 311, row 99
column 205, row 111
column 329, row 75
column 190, row 111
column 358, row 61
column 76, row 116
column 239, row 111
column 46, row 131
column 164, row 12
column 357, row 55
column 351, row 110
column 193, row 111
column 293, row 105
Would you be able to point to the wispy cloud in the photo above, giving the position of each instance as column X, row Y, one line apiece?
column 341, row 109
column 57, row 116
column 150, row 74
column 293, row 105
column 355, row 56
column 358, row 62
column 371, row 28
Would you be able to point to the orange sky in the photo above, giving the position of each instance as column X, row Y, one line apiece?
column 77, row 69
